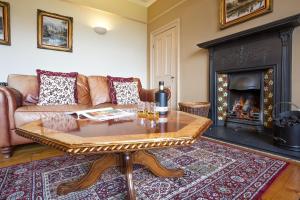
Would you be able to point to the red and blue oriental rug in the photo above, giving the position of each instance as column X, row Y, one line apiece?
column 212, row 171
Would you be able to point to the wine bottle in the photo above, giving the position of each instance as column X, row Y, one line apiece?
column 161, row 100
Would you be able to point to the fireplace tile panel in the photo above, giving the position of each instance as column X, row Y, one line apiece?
column 222, row 95
column 268, row 97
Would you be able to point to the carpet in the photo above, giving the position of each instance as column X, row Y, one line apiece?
column 212, row 171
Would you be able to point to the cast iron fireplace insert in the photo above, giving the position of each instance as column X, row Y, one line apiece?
column 245, row 100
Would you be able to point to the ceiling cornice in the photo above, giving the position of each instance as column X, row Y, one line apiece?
column 150, row 20
column 145, row 3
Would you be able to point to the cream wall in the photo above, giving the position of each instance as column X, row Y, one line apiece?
column 120, row 52
column 199, row 23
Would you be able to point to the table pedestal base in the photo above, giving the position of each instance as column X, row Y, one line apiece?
column 125, row 161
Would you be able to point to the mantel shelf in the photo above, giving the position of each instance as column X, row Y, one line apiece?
column 288, row 22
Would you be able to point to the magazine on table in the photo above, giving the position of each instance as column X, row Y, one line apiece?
column 101, row 114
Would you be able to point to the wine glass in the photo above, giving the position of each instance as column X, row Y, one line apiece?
column 142, row 109
column 152, row 114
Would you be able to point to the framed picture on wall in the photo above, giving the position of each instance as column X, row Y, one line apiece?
column 237, row 11
column 4, row 23
column 54, row 31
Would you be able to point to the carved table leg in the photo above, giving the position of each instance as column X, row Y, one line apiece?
column 125, row 161
column 128, row 171
column 97, row 168
column 122, row 163
column 149, row 160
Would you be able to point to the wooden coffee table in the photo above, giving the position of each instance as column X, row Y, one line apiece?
column 122, row 142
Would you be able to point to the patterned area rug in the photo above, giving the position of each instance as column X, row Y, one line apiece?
column 212, row 171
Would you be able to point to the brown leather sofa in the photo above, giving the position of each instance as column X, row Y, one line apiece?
column 93, row 92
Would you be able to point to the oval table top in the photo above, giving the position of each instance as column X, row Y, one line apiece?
column 83, row 136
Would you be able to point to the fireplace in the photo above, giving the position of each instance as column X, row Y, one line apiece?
column 250, row 73
column 245, row 99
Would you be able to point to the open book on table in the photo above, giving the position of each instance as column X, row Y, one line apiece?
column 102, row 114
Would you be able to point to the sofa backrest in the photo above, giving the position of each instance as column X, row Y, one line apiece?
column 28, row 85
column 99, row 89
column 91, row 90
column 25, row 84
column 83, row 90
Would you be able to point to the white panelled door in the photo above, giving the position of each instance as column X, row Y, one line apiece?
column 164, row 61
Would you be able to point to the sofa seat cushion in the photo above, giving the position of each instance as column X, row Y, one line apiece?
column 26, row 114
column 116, row 106
column 52, row 108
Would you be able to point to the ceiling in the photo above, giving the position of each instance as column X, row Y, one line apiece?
column 145, row 3
column 131, row 9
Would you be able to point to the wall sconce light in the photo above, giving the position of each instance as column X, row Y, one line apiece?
column 100, row 30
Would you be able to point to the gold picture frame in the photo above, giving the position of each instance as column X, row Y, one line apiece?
column 54, row 31
column 236, row 11
column 4, row 23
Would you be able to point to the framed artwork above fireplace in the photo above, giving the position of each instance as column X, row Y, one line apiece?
column 236, row 11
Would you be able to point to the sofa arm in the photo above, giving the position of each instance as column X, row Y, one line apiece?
column 149, row 95
column 4, row 121
column 10, row 101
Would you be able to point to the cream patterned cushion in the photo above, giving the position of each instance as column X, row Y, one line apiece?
column 57, row 88
column 127, row 92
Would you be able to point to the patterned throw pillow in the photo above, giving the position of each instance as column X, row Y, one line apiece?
column 57, row 88
column 112, row 91
column 127, row 92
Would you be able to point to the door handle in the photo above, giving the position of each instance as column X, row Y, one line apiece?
column 172, row 77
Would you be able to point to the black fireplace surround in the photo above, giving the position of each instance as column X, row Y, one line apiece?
column 253, row 51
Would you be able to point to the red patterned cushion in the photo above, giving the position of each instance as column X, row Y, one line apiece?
column 57, row 88
column 127, row 93
column 112, row 91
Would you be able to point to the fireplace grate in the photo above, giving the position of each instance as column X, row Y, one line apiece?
column 254, row 116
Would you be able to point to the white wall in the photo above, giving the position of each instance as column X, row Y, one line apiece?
column 120, row 52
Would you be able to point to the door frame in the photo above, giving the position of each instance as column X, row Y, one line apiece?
column 175, row 23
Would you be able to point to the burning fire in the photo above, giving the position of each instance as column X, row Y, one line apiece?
column 244, row 108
